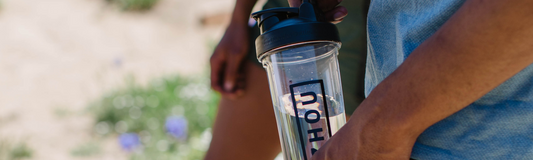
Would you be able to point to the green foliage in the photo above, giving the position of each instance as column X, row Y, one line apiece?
column 143, row 110
column 86, row 150
column 10, row 151
column 134, row 5
column 20, row 151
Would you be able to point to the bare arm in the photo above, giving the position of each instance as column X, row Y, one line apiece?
column 236, row 133
column 241, row 12
column 227, row 75
column 485, row 43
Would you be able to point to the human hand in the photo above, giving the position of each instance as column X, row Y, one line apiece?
column 354, row 141
column 332, row 12
column 227, row 75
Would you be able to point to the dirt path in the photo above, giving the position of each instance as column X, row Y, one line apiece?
column 57, row 55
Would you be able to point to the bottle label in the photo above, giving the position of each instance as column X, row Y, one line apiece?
column 311, row 115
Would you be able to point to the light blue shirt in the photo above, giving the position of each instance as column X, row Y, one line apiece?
column 497, row 126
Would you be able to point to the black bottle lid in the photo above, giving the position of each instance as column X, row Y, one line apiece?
column 287, row 26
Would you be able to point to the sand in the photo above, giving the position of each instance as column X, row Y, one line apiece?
column 58, row 55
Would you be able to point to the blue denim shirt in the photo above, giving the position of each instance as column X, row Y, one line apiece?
column 497, row 126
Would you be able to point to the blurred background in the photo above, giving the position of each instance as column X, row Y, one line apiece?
column 107, row 79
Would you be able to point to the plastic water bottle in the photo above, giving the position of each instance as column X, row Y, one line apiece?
column 299, row 54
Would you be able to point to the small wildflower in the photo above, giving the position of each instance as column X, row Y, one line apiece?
column 129, row 141
column 176, row 126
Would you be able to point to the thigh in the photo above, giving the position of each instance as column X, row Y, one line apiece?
column 246, row 128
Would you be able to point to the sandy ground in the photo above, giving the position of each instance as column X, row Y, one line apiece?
column 58, row 55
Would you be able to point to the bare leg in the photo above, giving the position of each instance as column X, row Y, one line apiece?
column 246, row 128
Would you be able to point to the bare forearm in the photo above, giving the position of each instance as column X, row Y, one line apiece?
column 481, row 46
column 241, row 12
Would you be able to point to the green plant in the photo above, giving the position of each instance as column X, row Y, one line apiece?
column 14, row 151
column 135, row 5
column 148, row 112
column 85, row 150
column 20, row 151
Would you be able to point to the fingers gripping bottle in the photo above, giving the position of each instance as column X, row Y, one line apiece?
column 300, row 56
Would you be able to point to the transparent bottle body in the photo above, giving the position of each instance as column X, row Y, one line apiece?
column 306, row 91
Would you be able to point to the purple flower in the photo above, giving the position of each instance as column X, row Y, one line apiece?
column 176, row 126
column 129, row 141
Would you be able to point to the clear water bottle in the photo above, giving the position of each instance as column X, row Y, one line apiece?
column 300, row 56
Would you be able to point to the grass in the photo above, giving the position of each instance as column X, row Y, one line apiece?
column 86, row 150
column 20, row 151
column 134, row 5
column 144, row 110
column 14, row 151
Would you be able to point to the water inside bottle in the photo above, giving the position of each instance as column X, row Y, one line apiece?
column 308, row 132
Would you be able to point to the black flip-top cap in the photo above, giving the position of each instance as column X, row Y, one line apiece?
column 285, row 26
